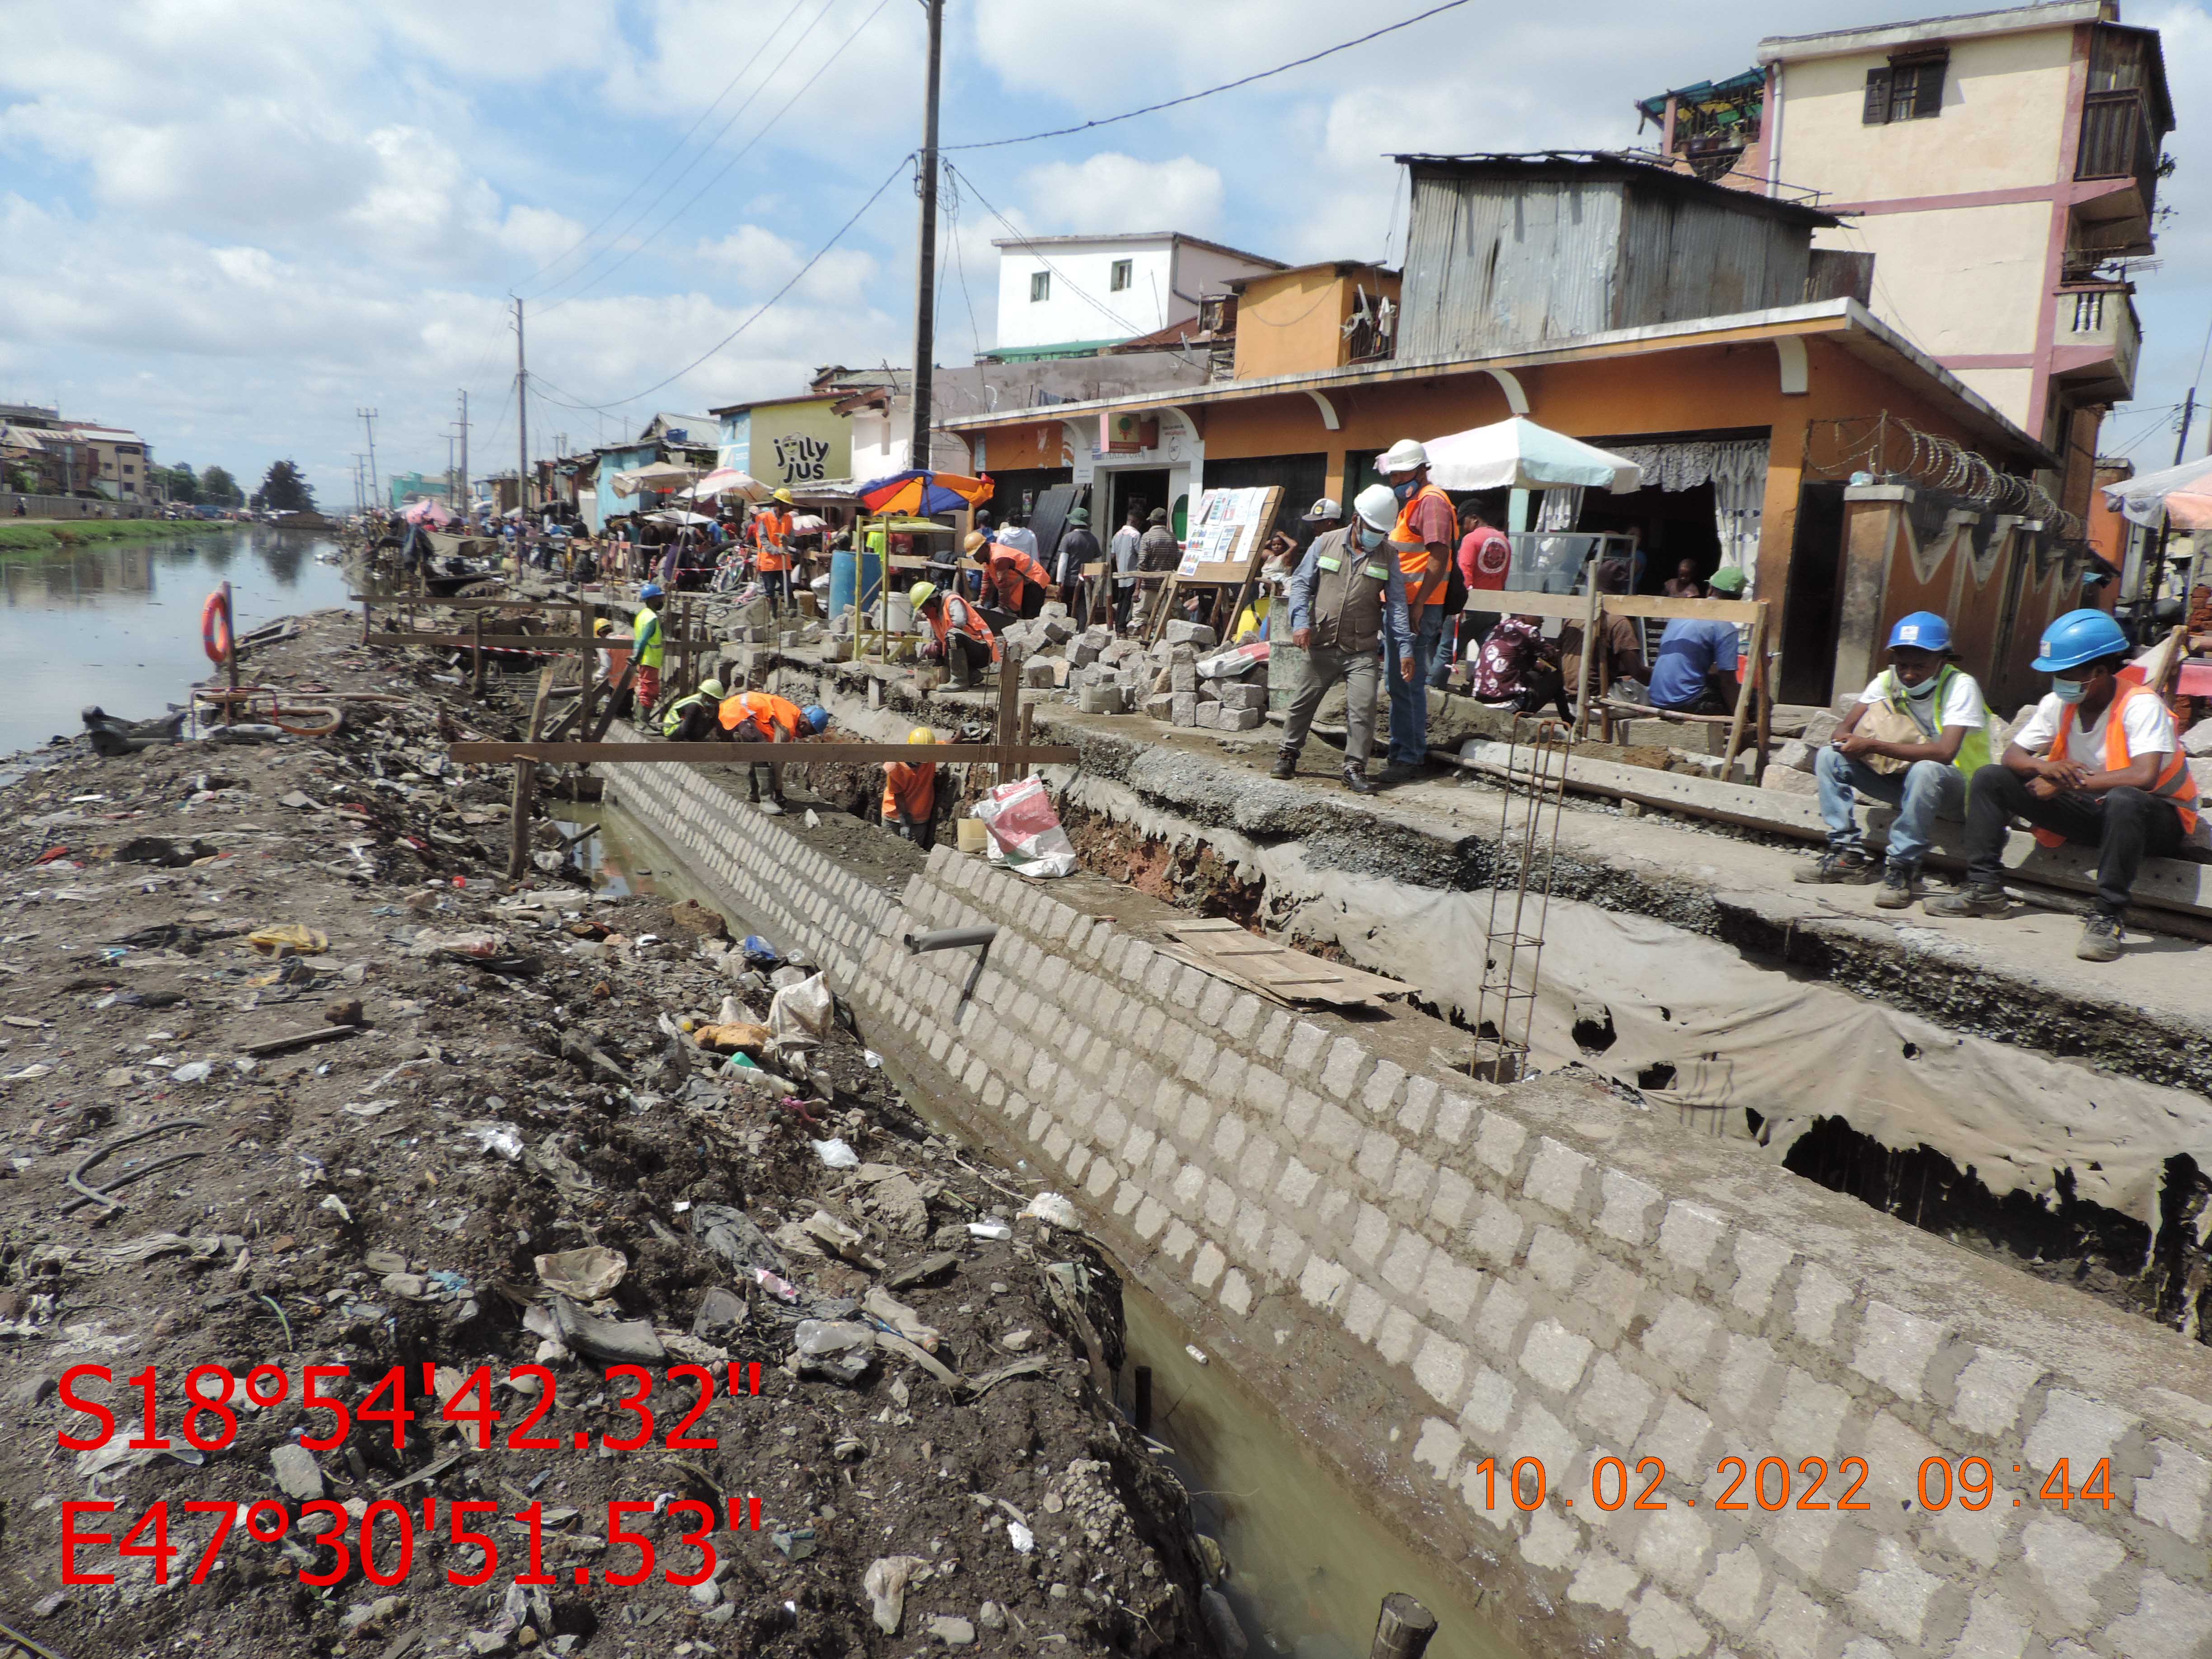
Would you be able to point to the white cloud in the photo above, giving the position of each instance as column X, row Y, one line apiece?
column 1110, row 192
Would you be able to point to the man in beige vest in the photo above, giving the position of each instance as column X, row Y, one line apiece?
column 1346, row 594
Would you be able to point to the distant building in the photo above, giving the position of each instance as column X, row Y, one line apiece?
column 119, row 462
column 1998, row 171
column 1074, row 295
column 688, row 439
column 402, row 488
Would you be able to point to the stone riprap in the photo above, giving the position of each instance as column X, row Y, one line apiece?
column 1427, row 1275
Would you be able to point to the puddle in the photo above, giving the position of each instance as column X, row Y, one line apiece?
column 1308, row 1570
column 622, row 857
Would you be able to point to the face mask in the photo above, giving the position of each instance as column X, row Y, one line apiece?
column 1369, row 538
column 1922, row 691
column 2070, row 691
column 1405, row 491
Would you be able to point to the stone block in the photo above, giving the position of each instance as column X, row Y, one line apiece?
column 2076, row 1428
column 1184, row 677
column 1235, row 694
column 1615, row 1402
column 1239, row 720
column 1161, row 708
column 1554, row 1357
column 1556, row 1176
column 2068, row 1562
column 1781, row 780
column 1796, row 756
column 1208, row 716
column 1186, row 708
column 1189, row 633
column 1441, row 1367
column 2175, row 1493
column 1042, row 671
column 2169, row 1620
column 1489, row 1406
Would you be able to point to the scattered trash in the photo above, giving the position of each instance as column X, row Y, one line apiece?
column 1195, row 1353
column 197, row 1071
column 1051, row 1209
column 990, row 1229
column 1020, row 1537
column 501, row 1138
column 1026, row 830
column 758, row 952
column 288, row 939
column 885, row 1581
column 584, row 1275
column 836, row 1155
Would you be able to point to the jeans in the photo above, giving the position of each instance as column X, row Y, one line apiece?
column 1409, row 700
column 1923, row 791
column 2124, row 824
column 1125, row 595
column 1325, row 667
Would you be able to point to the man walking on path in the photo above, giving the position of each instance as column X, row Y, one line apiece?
column 1078, row 549
column 1346, row 594
column 1426, row 526
column 1125, row 567
column 1926, row 718
column 2099, row 764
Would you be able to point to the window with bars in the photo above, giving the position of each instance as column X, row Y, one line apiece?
column 1039, row 286
column 1904, row 90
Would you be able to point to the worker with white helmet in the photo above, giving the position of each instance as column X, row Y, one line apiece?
column 1424, row 530
column 1348, row 598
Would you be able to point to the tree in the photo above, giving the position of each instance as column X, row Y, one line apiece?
column 283, row 491
column 179, row 483
column 219, row 489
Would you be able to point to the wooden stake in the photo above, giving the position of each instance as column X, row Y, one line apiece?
column 1029, row 721
column 1752, row 676
column 477, row 670
column 1404, row 1629
column 518, row 840
column 1009, row 684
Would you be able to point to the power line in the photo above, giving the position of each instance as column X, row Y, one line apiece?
column 1023, row 241
column 747, row 146
column 837, row 236
column 1226, row 86
column 750, row 63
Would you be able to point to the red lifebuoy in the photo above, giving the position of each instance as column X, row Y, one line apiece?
column 216, row 641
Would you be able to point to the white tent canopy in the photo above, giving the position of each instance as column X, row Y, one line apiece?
column 1518, row 454
column 2142, row 499
column 727, row 480
column 661, row 475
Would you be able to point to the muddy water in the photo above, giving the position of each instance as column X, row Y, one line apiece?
column 1309, row 1567
column 119, row 624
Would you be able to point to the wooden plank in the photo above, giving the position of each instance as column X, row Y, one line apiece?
column 783, row 754
column 1654, row 605
column 1747, row 686
column 490, row 641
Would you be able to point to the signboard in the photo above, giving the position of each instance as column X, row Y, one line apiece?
column 1226, row 529
column 1127, row 433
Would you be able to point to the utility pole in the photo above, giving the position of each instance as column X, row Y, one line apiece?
column 924, row 297
column 449, row 469
column 521, row 417
column 2188, row 414
column 369, row 421
column 465, row 445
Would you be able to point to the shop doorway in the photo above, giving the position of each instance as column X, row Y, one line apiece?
column 1809, row 615
column 1142, row 487
column 1674, row 525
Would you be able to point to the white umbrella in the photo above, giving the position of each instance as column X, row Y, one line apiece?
column 1518, row 454
column 661, row 475
column 727, row 480
column 670, row 515
column 2142, row 499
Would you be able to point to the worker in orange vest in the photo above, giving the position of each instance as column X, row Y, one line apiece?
column 911, row 795
column 959, row 637
column 1020, row 583
column 2098, row 763
column 763, row 717
column 1427, row 527
column 772, row 533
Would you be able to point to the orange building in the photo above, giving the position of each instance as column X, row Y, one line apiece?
column 1751, row 428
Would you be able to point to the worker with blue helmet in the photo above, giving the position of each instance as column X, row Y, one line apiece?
column 1915, row 738
column 2098, row 764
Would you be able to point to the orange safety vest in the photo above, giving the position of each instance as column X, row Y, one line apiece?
column 913, row 786
column 968, row 620
column 2176, row 783
column 763, row 713
column 1422, row 586
column 773, row 527
column 1010, row 569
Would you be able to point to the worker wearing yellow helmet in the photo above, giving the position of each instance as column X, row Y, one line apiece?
column 911, row 795
column 958, row 636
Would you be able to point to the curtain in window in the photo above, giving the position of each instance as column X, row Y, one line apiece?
column 1735, row 468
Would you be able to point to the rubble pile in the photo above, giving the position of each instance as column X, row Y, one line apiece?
column 341, row 1097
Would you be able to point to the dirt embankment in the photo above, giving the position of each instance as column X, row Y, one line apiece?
column 511, row 1081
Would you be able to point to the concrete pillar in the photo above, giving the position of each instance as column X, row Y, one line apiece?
column 1872, row 516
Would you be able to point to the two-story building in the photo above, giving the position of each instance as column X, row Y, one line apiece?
column 1077, row 295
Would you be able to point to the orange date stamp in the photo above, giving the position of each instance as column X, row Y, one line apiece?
column 1774, row 1484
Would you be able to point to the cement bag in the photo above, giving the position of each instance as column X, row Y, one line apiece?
column 1025, row 829
column 1237, row 659
column 801, row 1013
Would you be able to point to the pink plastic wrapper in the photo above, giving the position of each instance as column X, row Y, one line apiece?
column 1025, row 830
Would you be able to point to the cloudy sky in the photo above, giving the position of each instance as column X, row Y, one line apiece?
column 231, row 223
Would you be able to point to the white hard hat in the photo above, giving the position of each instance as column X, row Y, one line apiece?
column 1378, row 506
column 1402, row 457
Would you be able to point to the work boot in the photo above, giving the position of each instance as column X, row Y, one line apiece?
column 1849, row 866
column 1974, row 899
column 2102, row 933
column 1355, row 778
column 1287, row 764
column 1900, row 886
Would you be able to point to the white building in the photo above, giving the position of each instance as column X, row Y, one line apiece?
column 1070, row 296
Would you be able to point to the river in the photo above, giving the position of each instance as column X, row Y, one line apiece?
column 119, row 624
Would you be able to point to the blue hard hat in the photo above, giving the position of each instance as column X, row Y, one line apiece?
column 2077, row 637
column 816, row 716
column 1922, row 629
column 650, row 591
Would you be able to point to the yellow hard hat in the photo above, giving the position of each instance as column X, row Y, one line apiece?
column 975, row 539
column 784, row 495
column 602, row 626
column 922, row 734
column 920, row 594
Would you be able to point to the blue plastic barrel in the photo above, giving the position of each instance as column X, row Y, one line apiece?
column 843, row 566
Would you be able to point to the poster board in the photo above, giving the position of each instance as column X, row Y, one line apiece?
column 1226, row 533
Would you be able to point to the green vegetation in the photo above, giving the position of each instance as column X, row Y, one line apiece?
column 43, row 536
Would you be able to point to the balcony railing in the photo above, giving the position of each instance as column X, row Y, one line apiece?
column 2103, row 319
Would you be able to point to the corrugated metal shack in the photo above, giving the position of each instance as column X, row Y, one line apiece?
column 1513, row 251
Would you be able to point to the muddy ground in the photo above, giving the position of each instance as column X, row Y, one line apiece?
column 521, row 1085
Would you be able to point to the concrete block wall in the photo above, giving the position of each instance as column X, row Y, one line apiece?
column 1425, row 1272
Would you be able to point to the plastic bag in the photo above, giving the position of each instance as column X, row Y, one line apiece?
column 1022, row 824
column 758, row 951
column 836, row 1155
column 1237, row 659
column 802, row 1012
column 288, row 939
